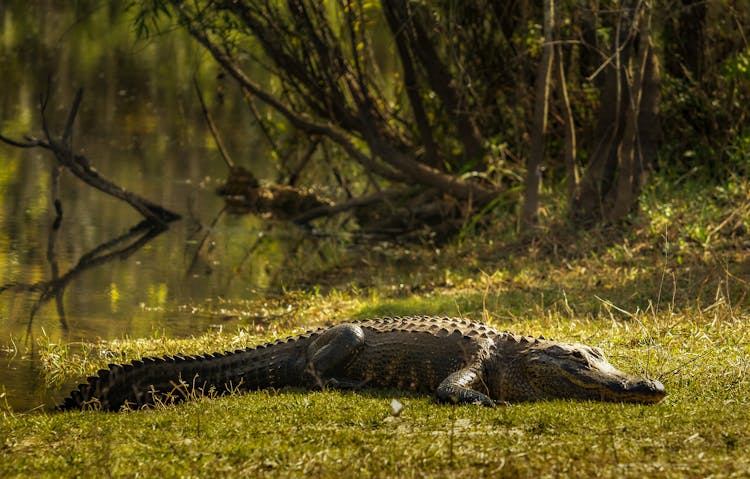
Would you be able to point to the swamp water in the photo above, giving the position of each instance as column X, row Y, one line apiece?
column 141, row 126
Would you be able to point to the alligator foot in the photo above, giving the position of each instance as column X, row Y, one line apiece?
column 457, row 388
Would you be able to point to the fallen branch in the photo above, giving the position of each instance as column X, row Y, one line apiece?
column 330, row 210
column 81, row 168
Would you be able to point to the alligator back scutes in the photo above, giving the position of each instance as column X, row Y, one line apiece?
column 441, row 326
column 261, row 366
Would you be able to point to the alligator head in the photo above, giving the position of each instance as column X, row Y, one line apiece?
column 550, row 370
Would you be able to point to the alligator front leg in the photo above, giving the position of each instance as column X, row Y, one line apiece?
column 457, row 388
column 331, row 352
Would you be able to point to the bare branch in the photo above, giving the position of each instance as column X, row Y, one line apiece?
column 330, row 210
column 18, row 144
column 211, row 126
column 80, row 167
column 68, row 134
column 295, row 119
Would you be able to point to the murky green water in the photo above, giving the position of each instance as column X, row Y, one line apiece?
column 140, row 125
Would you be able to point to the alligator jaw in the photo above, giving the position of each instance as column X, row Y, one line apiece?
column 644, row 391
column 612, row 385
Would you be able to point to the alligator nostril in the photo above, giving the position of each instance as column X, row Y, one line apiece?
column 658, row 387
column 651, row 390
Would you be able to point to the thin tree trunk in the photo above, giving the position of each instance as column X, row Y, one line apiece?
column 649, row 122
column 628, row 175
column 539, row 123
column 570, row 128
column 686, row 45
column 398, row 20
column 601, row 169
column 442, row 83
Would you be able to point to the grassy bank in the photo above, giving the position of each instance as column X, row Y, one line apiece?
column 699, row 430
column 664, row 298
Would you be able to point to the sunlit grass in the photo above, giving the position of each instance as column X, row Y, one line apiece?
column 702, row 356
column 699, row 430
column 662, row 299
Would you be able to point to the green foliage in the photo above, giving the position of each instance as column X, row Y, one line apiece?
column 737, row 67
column 149, row 17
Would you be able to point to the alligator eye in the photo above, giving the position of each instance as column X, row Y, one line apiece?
column 578, row 355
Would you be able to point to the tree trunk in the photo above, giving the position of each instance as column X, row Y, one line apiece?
column 571, row 167
column 398, row 22
column 627, row 135
column 539, row 122
column 686, row 40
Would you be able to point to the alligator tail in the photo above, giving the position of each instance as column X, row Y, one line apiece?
column 171, row 379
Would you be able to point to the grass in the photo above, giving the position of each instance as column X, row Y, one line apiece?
column 698, row 431
column 665, row 298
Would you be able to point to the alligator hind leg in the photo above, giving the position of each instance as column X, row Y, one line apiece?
column 457, row 388
column 331, row 352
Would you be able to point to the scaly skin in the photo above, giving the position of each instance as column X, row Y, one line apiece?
column 457, row 360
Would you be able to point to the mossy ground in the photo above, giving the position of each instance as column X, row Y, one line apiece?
column 666, row 299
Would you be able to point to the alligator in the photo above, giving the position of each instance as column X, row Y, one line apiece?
column 457, row 360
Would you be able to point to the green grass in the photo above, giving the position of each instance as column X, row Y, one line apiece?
column 666, row 299
column 699, row 430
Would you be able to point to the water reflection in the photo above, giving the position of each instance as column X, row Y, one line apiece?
column 119, row 248
column 140, row 126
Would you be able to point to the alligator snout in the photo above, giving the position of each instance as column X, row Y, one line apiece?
column 645, row 391
column 650, row 390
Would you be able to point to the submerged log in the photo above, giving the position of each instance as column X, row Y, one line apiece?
column 243, row 193
column 400, row 212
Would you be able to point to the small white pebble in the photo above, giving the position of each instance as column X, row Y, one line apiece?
column 396, row 407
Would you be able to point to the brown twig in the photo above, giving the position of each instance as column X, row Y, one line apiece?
column 212, row 126
column 67, row 138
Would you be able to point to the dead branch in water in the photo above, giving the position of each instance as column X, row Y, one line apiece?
column 80, row 167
